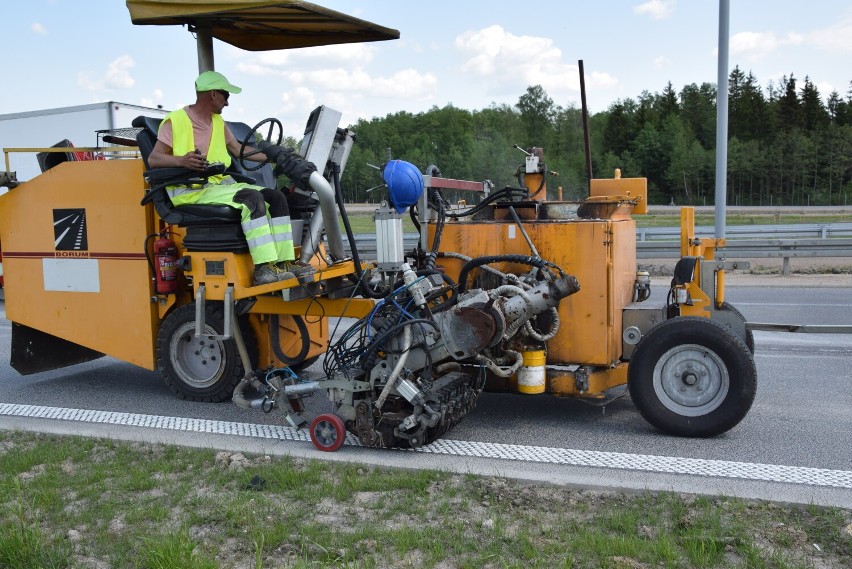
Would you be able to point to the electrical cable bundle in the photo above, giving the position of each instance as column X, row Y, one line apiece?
column 360, row 346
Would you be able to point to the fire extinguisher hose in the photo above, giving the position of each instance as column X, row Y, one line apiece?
column 148, row 256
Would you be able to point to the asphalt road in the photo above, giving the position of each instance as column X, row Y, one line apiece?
column 801, row 418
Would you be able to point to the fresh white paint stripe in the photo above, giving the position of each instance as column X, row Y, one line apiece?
column 596, row 459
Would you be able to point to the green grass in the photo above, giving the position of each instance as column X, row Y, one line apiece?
column 69, row 502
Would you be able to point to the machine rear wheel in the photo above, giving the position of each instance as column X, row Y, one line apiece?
column 328, row 432
column 200, row 369
column 692, row 377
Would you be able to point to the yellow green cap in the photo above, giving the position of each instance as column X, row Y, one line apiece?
column 212, row 81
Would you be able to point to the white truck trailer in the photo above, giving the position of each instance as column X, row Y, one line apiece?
column 78, row 124
column 82, row 125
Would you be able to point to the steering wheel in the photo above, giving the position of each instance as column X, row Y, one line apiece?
column 275, row 128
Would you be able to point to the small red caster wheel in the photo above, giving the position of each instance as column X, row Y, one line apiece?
column 328, row 432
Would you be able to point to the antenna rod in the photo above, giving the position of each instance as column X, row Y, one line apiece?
column 585, row 123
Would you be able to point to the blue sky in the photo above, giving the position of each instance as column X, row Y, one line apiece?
column 468, row 53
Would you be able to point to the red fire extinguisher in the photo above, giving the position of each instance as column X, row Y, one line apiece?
column 165, row 263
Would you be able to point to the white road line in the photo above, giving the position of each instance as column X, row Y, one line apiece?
column 58, row 239
column 570, row 457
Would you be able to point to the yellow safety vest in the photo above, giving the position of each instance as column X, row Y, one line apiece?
column 183, row 139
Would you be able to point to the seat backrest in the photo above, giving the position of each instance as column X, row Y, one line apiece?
column 47, row 160
column 147, row 137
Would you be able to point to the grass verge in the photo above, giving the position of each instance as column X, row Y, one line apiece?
column 68, row 502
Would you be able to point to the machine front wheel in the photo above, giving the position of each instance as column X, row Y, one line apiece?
column 692, row 377
column 328, row 432
column 200, row 368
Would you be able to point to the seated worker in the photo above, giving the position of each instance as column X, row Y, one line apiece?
column 195, row 135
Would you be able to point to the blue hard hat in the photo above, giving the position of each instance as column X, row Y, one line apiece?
column 405, row 183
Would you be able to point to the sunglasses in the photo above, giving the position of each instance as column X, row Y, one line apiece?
column 225, row 94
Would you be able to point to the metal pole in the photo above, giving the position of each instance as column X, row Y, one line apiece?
column 585, row 125
column 204, row 45
column 722, row 118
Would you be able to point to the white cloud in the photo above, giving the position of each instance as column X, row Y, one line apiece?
column 340, row 73
column 662, row 62
column 494, row 49
column 754, row 46
column 836, row 38
column 322, row 56
column 656, row 9
column 406, row 84
column 298, row 99
column 155, row 98
column 336, row 79
column 256, row 69
column 38, row 28
column 117, row 76
column 602, row 81
column 825, row 89
column 506, row 60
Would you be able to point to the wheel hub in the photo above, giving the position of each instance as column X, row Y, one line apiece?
column 691, row 380
column 197, row 359
column 325, row 433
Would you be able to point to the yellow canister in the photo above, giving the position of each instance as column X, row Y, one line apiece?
column 531, row 376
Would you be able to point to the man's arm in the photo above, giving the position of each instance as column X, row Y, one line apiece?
column 234, row 148
column 162, row 156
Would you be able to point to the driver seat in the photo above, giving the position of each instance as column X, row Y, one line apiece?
column 208, row 227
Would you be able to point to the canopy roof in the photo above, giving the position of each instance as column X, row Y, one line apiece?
column 259, row 25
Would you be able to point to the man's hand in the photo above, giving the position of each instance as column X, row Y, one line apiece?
column 162, row 157
column 193, row 161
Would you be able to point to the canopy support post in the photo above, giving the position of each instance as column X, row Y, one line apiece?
column 204, row 42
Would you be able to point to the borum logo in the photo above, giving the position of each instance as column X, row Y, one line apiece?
column 69, row 230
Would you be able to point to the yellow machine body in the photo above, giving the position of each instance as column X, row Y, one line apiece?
column 97, row 295
column 600, row 253
column 595, row 241
column 98, row 292
column 81, row 281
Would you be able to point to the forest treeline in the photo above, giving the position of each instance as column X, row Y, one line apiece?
column 787, row 146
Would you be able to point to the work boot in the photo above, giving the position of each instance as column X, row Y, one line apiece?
column 270, row 273
column 298, row 268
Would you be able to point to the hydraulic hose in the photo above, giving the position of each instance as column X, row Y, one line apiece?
column 504, row 193
column 519, row 259
column 356, row 260
column 240, row 399
column 276, row 344
column 378, row 342
column 497, row 370
column 434, row 197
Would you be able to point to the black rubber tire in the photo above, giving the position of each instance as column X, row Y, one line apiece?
column 208, row 371
column 692, row 377
column 328, row 433
column 749, row 337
